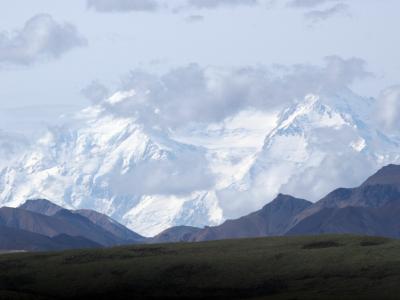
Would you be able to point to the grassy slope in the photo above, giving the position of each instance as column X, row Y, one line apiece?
column 325, row 267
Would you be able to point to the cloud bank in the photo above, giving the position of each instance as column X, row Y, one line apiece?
column 194, row 94
column 108, row 6
column 219, row 3
column 154, row 5
column 188, row 171
column 41, row 38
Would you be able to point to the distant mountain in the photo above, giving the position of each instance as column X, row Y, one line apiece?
column 63, row 222
column 272, row 220
column 383, row 221
column 18, row 239
column 388, row 175
column 41, row 206
column 380, row 190
column 322, row 142
column 108, row 163
column 110, row 225
column 48, row 208
column 373, row 208
column 43, row 225
column 138, row 174
column 175, row 235
column 369, row 209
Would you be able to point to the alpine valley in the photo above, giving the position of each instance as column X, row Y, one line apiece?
column 150, row 179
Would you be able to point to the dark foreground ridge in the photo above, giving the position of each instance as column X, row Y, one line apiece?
column 323, row 267
column 40, row 225
column 372, row 208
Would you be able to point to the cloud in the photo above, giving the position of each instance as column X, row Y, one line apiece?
column 41, row 38
column 321, row 15
column 155, row 5
column 309, row 3
column 219, row 3
column 193, row 94
column 122, row 5
column 181, row 174
column 387, row 110
column 12, row 145
column 335, row 7
column 95, row 92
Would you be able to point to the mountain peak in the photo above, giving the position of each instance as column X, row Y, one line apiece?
column 313, row 112
column 388, row 175
column 282, row 196
column 41, row 206
column 283, row 201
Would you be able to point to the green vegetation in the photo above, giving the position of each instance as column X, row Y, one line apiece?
column 323, row 267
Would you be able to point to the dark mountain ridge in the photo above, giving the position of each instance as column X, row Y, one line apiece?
column 63, row 222
column 110, row 225
column 272, row 220
column 175, row 235
column 41, row 206
column 380, row 190
column 369, row 209
column 43, row 225
column 18, row 239
column 107, row 224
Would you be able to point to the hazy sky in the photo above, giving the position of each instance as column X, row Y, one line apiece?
column 51, row 50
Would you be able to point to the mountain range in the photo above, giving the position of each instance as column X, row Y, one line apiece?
column 42, row 225
column 369, row 209
column 150, row 179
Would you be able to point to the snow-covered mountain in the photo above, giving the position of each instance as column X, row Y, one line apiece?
column 318, row 144
column 151, row 179
column 115, row 166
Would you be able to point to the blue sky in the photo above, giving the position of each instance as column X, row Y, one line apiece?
column 107, row 42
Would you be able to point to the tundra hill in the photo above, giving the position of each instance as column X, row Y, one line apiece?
column 323, row 267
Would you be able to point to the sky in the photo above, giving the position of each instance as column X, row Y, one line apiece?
column 58, row 56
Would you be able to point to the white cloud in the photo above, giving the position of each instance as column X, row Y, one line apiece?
column 310, row 3
column 323, row 14
column 218, row 3
column 95, row 92
column 41, row 38
column 193, row 94
column 388, row 110
column 320, row 10
column 184, row 5
column 122, row 5
column 181, row 174
column 11, row 146
column 154, row 5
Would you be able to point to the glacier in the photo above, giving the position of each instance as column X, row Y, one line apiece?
column 152, row 178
